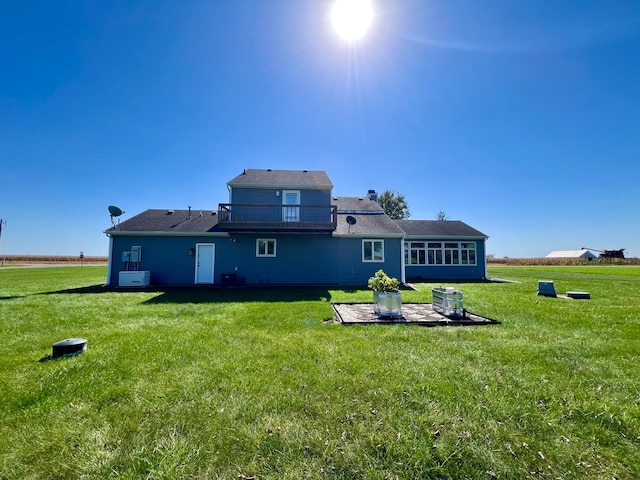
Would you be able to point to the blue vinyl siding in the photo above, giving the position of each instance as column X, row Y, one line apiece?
column 300, row 259
column 265, row 196
column 314, row 259
column 353, row 271
column 449, row 272
column 310, row 259
column 168, row 259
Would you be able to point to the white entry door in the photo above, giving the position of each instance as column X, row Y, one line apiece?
column 205, row 260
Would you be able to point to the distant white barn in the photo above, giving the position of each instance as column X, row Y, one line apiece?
column 582, row 253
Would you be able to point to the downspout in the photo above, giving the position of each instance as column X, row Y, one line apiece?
column 484, row 249
column 404, row 267
column 109, row 261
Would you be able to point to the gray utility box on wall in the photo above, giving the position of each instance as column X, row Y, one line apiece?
column 448, row 301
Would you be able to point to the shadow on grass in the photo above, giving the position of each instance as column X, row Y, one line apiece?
column 208, row 294
column 13, row 297
column 79, row 290
column 240, row 295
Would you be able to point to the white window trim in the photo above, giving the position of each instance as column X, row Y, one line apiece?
column 372, row 241
column 442, row 249
column 266, row 255
column 291, row 211
column 284, row 196
column 408, row 250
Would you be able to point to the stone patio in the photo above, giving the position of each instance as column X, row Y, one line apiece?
column 412, row 314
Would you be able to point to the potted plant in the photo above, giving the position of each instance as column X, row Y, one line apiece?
column 387, row 298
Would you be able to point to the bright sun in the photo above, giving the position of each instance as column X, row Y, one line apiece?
column 351, row 18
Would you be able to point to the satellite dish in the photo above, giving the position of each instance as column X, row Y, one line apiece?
column 115, row 211
column 351, row 221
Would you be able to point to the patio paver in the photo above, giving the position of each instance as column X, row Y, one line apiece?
column 412, row 313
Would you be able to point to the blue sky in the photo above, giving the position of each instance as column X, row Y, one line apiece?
column 521, row 119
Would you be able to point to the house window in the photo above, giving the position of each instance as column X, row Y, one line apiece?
column 373, row 250
column 468, row 253
column 415, row 253
column 451, row 253
column 265, row 247
column 434, row 253
column 440, row 253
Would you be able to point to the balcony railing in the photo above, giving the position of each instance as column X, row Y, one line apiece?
column 272, row 217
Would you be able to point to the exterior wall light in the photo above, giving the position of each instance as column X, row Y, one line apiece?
column 191, row 252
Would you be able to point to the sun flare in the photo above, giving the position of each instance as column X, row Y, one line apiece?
column 351, row 18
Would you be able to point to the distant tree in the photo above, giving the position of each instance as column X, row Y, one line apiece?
column 441, row 217
column 394, row 205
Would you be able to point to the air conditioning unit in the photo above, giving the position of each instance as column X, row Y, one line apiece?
column 134, row 279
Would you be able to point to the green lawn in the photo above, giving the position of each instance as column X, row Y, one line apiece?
column 260, row 383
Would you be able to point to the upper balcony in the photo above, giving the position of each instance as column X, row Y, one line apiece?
column 277, row 217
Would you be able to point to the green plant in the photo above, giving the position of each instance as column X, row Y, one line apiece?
column 394, row 205
column 381, row 282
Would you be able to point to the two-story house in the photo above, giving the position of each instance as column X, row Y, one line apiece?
column 285, row 227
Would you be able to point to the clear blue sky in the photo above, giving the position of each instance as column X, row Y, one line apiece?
column 520, row 118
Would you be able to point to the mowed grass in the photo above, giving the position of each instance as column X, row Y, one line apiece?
column 201, row 383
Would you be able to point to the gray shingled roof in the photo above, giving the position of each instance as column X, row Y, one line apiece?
column 155, row 220
column 437, row 228
column 369, row 216
column 356, row 204
column 283, row 179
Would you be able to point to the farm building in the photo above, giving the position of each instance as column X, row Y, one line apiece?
column 285, row 227
column 582, row 253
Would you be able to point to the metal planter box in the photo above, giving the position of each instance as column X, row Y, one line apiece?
column 387, row 304
column 448, row 301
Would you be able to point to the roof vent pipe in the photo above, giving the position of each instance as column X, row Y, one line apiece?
column 189, row 212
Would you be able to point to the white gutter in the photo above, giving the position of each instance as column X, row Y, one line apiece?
column 166, row 234
column 282, row 186
column 372, row 236
column 443, row 238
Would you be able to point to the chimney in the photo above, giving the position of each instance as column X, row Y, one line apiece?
column 373, row 196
